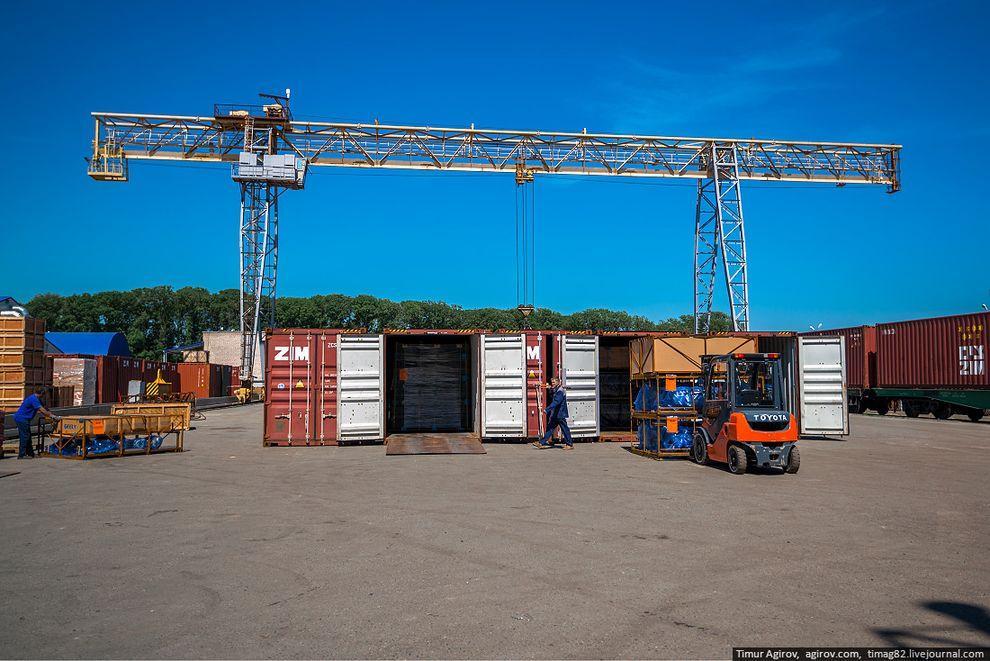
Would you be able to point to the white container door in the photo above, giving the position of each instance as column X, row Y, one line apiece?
column 361, row 387
column 822, row 385
column 503, row 386
column 579, row 377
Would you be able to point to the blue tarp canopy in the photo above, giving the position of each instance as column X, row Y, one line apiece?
column 90, row 344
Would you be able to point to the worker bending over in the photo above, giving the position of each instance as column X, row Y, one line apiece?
column 556, row 416
column 23, row 417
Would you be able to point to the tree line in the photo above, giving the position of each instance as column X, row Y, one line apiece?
column 154, row 318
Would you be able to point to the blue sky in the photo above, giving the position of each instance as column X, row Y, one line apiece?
column 907, row 72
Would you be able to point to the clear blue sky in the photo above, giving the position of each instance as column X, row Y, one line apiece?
column 905, row 72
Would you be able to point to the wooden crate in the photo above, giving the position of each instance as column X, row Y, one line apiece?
column 22, row 358
column 682, row 354
column 13, row 376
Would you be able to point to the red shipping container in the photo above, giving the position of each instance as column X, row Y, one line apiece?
column 537, row 376
column 943, row 352
column 861, row 349
column 194, row 378
column 112, row 375
column 301, row 387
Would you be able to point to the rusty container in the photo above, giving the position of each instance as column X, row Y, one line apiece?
column 942, row 352
column 861, row 354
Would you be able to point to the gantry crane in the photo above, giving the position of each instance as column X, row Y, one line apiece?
column 270, row 153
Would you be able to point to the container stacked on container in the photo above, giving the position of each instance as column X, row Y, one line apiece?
column 23, row 367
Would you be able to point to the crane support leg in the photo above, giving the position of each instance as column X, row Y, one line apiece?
column 259, row 261
column 706, row 241
column 720, row 233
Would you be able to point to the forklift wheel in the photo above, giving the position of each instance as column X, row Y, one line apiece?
column 699, row 449
column 793, row 461
column 737, row 460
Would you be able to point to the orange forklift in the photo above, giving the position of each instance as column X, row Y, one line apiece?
column 745, row 422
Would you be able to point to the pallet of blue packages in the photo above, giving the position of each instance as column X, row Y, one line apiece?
column 663, row 407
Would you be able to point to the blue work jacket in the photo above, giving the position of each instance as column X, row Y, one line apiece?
column 558, row 404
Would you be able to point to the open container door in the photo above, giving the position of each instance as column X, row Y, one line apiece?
column 361, row 387
column 579, row 377
column 822, row 385
column 503, row 386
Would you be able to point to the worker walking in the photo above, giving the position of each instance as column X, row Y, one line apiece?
column 23, row 417
column 556, row 416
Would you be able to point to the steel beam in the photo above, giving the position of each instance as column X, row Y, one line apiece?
column 218, row 139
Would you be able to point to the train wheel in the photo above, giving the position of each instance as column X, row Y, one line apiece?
column 882, row 406
column 911, row 409
column 942, row 411
column 737, row 460
column 975, row 415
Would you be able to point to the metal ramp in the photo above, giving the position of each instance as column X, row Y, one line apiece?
column 402, row 444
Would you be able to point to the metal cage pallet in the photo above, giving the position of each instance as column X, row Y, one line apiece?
column 139, row 428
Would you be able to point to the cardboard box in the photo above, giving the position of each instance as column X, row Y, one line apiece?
column 681, row 354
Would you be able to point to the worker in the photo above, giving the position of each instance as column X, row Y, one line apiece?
column 23, row 417
column 556, row 416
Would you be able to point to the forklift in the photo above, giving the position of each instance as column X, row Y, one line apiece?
column 745, row 422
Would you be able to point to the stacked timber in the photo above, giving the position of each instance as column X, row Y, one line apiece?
column 23, row 366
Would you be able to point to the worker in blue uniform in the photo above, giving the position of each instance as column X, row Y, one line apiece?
column 22, row 418
column 556, row 416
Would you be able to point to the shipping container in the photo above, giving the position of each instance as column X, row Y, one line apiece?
column 113, row 373
column 492, row 385
column 814, row 379
column 944, row 352
column 303, row 387
column 194, row 378
column 861, row 354
column 203, row 379
column 936, row 366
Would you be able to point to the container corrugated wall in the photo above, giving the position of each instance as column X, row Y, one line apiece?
column 301, row 387
column 934, row 353
column 861, row 347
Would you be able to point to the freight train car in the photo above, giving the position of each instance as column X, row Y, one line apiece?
column 934, row 366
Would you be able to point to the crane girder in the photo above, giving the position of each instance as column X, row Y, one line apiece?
column 214, row 139
column 719, row 165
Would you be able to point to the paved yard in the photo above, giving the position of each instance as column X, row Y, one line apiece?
column 234, row 550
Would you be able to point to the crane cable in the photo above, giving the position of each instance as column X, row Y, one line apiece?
column 525, row 237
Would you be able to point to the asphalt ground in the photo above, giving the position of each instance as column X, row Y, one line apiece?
column 232, row 550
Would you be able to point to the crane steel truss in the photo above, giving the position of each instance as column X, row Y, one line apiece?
column 719, row 164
